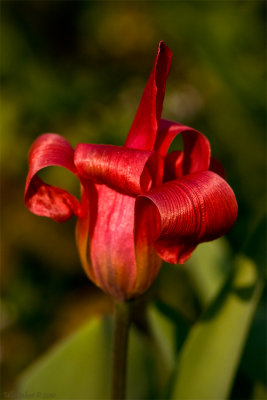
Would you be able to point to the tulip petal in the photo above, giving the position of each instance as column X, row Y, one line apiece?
column 196, row 146
column 129, row 171
column 112, row 243
column 196, row 208
column 46, row 200
column 147, row 228
column 105, row 238
column 85, row 226
column 142, row 134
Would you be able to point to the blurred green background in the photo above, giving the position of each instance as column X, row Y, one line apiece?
column 78, row 68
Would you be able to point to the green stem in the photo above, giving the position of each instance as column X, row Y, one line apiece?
column 119, row 355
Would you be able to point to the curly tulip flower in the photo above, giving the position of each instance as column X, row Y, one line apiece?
column 139, row 204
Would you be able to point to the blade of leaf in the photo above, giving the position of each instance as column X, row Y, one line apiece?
column 174, row 288
column 76, row 368
column 163, row 337
column 259, row 392
column 79, row 367
column 211, row 353
column 208, row 269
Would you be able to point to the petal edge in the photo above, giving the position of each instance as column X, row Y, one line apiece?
column 142, row 134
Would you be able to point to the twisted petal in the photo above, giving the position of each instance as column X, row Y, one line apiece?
column 40, row 198
column 196, row 208
column 129, row 171
column 196, row 155
column 143, row 131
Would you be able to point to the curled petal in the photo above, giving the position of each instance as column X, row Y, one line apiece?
column 50, row 201
column 196, row 208
column 126, row 170
column 40, row 198
column 143, row 131
column 196, row 146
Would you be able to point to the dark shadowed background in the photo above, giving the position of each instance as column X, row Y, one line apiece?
column 78, row 68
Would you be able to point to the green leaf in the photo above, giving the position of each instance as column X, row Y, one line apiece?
column 163, row 340
column 255, row 246
column 174, row 289
column 212, row 350
column 259, row 392
column 141, row 369
column 253, row 364
column 79, row 367
column 208, row 269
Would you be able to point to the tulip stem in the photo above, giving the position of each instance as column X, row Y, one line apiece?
column 119, row 356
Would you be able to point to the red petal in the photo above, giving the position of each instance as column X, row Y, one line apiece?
column 128, row 171
column 196, row 208
column 85, row 226
column 147, row 228
column 196, row 146
column 43, row 199
column 112, row 243
column 105, row 238
column 143, row 131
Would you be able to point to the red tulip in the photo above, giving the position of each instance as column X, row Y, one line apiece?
column 139, row 205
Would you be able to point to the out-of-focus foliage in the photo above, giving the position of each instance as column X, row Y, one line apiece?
column 212, row 350
column 79, row 68
column 80, row 367
column 202, row 365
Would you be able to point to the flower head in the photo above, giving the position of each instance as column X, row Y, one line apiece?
column 139, row 205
